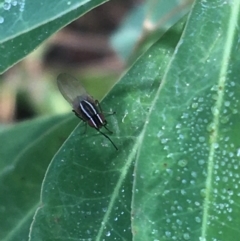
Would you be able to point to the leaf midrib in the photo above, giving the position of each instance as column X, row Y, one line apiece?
column 233, row 21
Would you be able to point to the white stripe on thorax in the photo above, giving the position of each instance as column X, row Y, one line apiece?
column 94, row 110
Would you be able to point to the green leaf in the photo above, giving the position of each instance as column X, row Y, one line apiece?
column 87, row 190
column 176, row 174
column 26, row 150
column 186, row 183
column 21, row 33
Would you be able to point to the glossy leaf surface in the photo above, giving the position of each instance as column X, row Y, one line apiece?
column 176, row 174
column 21, row 33
column 87, row 191
column 26, row 151
column 188, row 187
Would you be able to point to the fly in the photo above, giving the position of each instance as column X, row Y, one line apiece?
column 84, row 106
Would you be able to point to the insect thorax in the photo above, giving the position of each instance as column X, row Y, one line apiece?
column 89, row 112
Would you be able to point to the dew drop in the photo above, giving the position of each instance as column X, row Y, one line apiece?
column 104, row 209
column 227, row 103
column 183, row 192
column 198, row 219
column 194, row 174
column 22, row 5
column 238, row 152
column 230, row 192
column 225, row 179
column 6, row 6
column 178, row 125
column 195, row 105
column 1, row 19
column 14, row 3
column 159, row 134
column 186, row 236
column 201, row 138
column 179, row 222
column 182, row 163
column 168, row 234
column 203, row 193
column 163, row 141
column 211, row 127
column 215, row 110
column 214, row 97
column 224, row 119
column 216, row 145
column 214, row 88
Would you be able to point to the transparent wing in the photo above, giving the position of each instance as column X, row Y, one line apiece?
column 70, row 88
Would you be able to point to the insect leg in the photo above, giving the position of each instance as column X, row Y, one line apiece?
column 108, row 129
column 107, row 138
column 76, row 114
column 98, row 104
column 108, row 113
column 85, row 131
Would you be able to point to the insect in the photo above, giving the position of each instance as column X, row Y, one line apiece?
column 84, row 106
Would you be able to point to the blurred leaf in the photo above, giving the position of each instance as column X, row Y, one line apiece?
column 125, row 37
column 26, row 150
column 21, row 32
column 87, row 191
column 145, row 24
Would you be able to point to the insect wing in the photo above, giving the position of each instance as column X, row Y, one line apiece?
column 70, row 88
